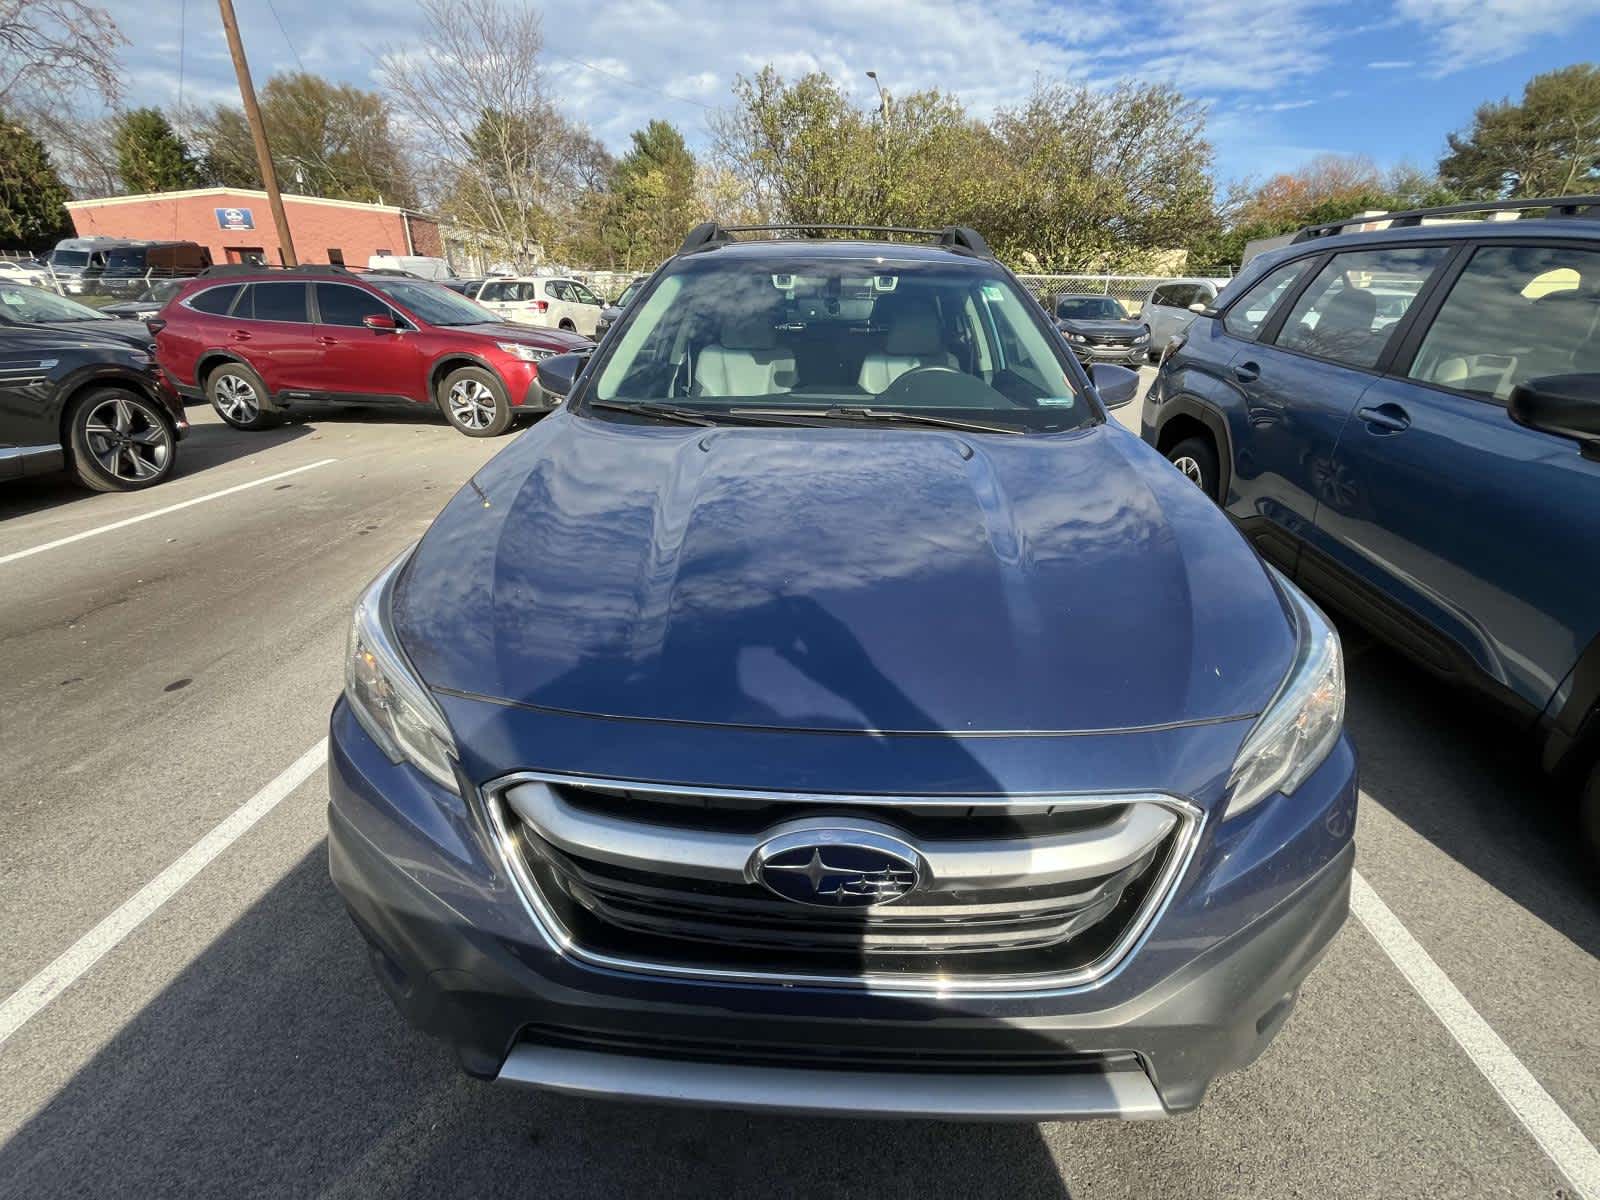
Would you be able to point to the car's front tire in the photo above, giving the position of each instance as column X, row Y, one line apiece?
column 239, row 397
column 1196, row 458
column 120, row 441
column 474, row 401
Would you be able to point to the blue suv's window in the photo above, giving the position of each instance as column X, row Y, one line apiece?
column 1515, row 313
column 1350, row 308
column 1249, row 313
column 819, row 332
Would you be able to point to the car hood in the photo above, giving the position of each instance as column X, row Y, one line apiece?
column 861, row 579
column 131, row 310
column 558, row 340
column 1100, row 328
column 125, row 332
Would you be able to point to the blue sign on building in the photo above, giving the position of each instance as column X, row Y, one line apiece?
column 235, row 219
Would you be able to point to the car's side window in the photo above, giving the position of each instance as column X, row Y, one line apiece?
column 1159, row 297
column 277, row 302
column 1249, row 313
column 1515, row 313
column 562, row 290
column 582, row 294
column 492, row 292
column 1181, row 295
column 1348, row 312
column 216, row 301
column 341, row 304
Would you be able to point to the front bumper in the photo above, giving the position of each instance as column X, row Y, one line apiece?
column 1112, row 354
column 458, row 954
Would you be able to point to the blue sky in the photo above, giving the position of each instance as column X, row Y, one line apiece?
column 1283, row 79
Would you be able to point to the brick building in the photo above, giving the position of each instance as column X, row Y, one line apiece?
column 236, row 224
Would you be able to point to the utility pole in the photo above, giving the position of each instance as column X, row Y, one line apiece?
column 883, row 138
column 258, row 132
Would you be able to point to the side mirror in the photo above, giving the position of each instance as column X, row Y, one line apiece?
column 1565, row 405
column 1117, row 385
column 1198, row 307
column 381, row 322
column 557, row 373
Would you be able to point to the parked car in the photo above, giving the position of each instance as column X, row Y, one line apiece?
column 130, row 267
column 611, row 313
column 466, row 287
column 421, row 266
column 24, row 270
column 842, row 716
column 1100, row 329
column 21, row 305
column 1433, row 471
column 95, row 406
column 550, row 301
column 76, row 262
column 147, row 303
column 257, row 343
column 1172, row 305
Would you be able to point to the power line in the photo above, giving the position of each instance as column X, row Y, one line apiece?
column 274, row 11
column 643, row 87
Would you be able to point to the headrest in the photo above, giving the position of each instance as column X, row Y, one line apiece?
column 914, row 331
column 748, row 333
column 1352, row 308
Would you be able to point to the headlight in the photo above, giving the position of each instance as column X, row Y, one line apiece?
column 1143, row 335
column 385, row 693
column 524, row 351
column 1075, row 337
column 1302, row 723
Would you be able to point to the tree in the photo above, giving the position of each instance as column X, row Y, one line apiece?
column 1548, row 145
column 52, row 50
column 501, row 157
column 651, row 200
column 151, row 157
column 327, row 139
column 32, row 196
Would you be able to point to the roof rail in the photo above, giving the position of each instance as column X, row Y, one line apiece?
column 1555, row 206
column 709, row 234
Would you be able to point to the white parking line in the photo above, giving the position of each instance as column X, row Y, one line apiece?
column 1573, row 1153
column 159, row 512
column 32, row 997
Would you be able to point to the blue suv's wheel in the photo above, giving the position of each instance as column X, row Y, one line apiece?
column 1196, row 458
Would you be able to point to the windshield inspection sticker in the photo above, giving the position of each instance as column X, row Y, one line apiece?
column 1057, row 401
column 993, row 291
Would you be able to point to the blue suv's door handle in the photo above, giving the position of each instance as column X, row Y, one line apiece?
column 1385, row 418
column 1247, row 372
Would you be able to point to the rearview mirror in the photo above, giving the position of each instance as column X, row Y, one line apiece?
column 382, row 322
column 1565, row 405
column 1117, row 385
column 557, row 373
column 1197, row 307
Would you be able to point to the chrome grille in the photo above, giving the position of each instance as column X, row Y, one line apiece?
column 1030, row 891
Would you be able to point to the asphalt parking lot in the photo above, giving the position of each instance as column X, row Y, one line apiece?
column 185, row 1008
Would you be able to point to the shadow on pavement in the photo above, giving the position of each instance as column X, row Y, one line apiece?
column 207, row 445
column 1460, row 775
column 274, row 1066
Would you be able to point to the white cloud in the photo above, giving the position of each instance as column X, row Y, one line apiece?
column 1391, row 64
column 1467, row 33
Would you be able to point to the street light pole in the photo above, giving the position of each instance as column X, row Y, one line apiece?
column 258, row 132
column 883, row 136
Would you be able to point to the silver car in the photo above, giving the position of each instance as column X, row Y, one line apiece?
column 1172, row 305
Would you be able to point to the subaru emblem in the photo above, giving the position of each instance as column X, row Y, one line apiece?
column 837, row 867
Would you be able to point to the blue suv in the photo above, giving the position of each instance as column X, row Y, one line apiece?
column 829, row 709
column 1407, row 422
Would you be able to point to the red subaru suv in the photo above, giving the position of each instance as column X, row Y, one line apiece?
column 257, row 341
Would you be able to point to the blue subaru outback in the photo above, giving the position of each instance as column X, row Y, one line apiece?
column 1407, row 422
column 828, row 709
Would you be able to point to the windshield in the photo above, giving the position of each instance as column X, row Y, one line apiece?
column 161, row 292
column 1090, row 308
column 955, row 340
column 433, row 304
column 628, row 293
column 30, row 304
column 69, row 258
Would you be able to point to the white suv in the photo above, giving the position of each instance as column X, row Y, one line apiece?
column 551, row 301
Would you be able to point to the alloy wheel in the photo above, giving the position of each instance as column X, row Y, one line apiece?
column 1191, row 470
column 236, row 397
column 472, row 404
column 127, row 440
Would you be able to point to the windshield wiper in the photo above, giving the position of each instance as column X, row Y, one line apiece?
column 689, row 416
column 665, row 412
column 861, row 412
